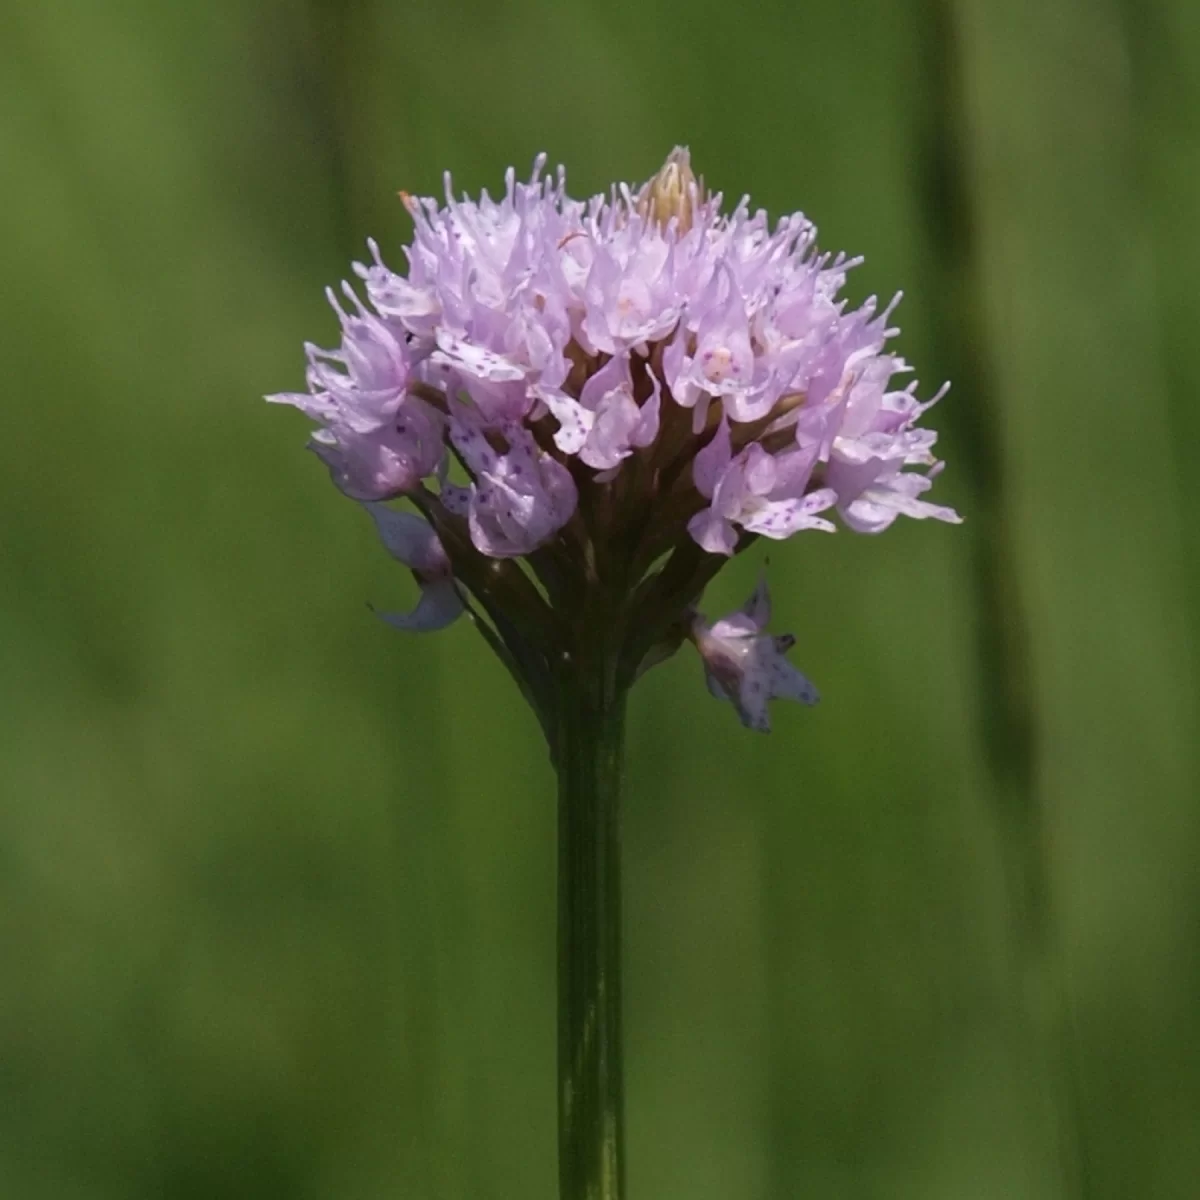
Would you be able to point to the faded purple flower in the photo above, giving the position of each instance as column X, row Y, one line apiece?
column 410, row 539
column 746, row 665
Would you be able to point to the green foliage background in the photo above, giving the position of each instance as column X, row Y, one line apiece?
column 276, row 884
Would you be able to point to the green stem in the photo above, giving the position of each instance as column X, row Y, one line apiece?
column 588, row 752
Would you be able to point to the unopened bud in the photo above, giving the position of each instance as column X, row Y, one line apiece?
column 673, row 192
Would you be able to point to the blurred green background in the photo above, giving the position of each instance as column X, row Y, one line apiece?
column 276, row 884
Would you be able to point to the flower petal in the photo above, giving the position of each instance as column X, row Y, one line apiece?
column 439, row 605
column 409, row 538
column 712, row 460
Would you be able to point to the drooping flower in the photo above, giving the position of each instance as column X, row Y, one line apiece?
column 410, row 540
column 589, row 386
column 746, row 665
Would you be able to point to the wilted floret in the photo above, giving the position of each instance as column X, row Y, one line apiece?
column 745, row 665
column 411, row 541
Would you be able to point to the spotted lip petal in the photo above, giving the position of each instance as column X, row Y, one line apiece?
column 520, row 496
column 762, row 493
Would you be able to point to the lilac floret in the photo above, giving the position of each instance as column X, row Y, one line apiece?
column 606, row 423
column 762, row 493
column 520, row 496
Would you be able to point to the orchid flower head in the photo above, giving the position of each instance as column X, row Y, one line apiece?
column 591, row 404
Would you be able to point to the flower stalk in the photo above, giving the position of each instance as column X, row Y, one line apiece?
column 588, row 756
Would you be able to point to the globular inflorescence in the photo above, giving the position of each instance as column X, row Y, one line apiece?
column 593, row 404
